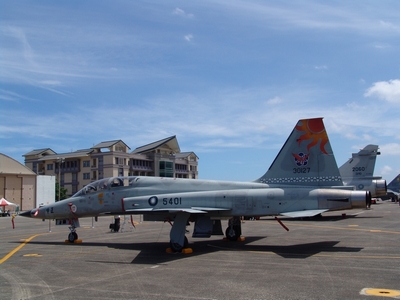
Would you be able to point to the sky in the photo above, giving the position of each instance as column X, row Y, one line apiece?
column 229, row 78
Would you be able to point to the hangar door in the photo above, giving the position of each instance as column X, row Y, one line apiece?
column 13, row 189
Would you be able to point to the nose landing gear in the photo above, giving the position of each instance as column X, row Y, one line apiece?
column 73, row 236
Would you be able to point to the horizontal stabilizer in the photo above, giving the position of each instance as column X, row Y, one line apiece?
column 304, row 213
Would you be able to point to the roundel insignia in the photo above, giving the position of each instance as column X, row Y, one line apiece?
column 360, row 186
column 73, row 208
column 153, row 201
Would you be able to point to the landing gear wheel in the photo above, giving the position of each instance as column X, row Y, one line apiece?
column 175, row 247
column 232, row 234
column 72, row 236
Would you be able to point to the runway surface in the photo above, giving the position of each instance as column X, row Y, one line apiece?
column 333, row 257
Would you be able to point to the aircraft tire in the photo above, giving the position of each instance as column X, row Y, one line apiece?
column 178, row 248
column 232, row 234
column 72, row 236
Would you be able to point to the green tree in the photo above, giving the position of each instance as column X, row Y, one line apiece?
column 63, row 192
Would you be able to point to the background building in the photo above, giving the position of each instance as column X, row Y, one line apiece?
column 17, row 183
column 74, row 170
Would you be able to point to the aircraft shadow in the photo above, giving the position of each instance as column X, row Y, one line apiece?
column 334, row 218
column 154, row 252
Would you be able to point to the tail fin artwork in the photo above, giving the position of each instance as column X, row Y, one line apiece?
column 361, row 164
column 306, row 158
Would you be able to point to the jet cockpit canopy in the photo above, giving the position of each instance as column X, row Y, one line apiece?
column 105, row 184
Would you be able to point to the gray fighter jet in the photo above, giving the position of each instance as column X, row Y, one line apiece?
column 358, row 171
column 303, row 181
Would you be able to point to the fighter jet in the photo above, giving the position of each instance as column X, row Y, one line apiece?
column 303, row 181
column 359, row 169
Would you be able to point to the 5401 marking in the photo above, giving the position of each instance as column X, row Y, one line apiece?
column 172, row 201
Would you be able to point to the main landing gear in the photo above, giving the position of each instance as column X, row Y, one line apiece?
column 178, row 240
column 234, row 230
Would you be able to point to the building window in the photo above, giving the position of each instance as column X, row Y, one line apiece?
column 120, row 161
column 86, row 163
column 166, row 169
column 86, row 175
column 181, row 167
column 49, row 167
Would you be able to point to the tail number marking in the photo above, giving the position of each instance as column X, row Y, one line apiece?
column 358, row 169
column 172, row 201
column 301, row 170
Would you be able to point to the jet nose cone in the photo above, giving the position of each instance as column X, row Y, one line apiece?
column 26, row 214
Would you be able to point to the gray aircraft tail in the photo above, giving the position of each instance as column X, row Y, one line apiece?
column 361, row 164
column 306, row 158
column 395, row 184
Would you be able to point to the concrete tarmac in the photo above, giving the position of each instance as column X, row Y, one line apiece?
column 332, row 257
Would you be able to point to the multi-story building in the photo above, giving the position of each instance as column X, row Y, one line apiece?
column 76, row 169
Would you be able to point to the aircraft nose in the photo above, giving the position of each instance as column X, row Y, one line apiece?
column 26, row 214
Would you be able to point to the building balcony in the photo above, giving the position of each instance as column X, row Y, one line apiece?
column 141, row 168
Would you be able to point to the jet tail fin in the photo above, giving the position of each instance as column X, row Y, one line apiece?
column 306, row 158
column 395, row 184
column 361, row 164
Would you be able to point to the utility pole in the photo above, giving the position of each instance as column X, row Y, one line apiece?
column 60, row 161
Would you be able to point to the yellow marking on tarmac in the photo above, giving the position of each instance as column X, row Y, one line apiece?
column 17, row 249
column 376, row 230
column 33, row 254
column 380, row 292
column 353, row 225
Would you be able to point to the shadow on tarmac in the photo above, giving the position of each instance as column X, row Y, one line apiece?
column 320, row 218
column 154, row 252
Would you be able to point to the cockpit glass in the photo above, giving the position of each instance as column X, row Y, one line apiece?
column 106, row 183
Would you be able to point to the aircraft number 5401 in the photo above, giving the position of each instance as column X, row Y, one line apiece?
column 172, row 201
column 301, row 170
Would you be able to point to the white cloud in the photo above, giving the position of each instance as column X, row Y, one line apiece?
column 181, row 12
column 385, row 90
column 275, row 100
column 50, row 82
column 12, row 96
column 385, row 170
column 390, row 149
column 188, row 37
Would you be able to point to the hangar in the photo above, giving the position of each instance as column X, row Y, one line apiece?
column 17, row 183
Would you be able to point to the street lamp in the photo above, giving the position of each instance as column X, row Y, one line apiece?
column 60, row 161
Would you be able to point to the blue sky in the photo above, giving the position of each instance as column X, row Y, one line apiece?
column 229, row 78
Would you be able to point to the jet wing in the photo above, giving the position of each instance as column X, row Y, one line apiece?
column 303, row 213
column 192, row 210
